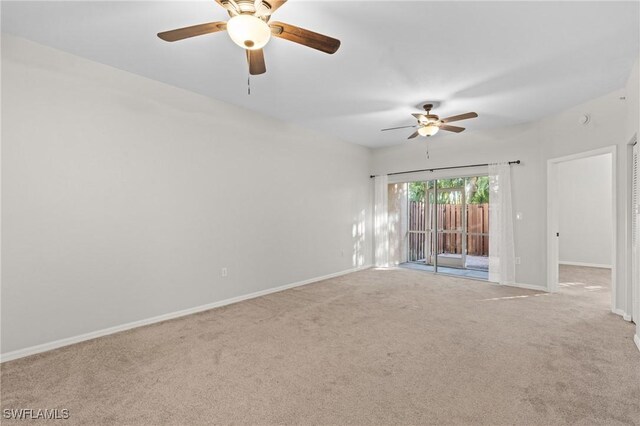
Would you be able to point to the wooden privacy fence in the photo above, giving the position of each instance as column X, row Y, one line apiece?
column 450, row 219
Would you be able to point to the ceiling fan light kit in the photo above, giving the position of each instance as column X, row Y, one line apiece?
column 248, row 31
column 249, row 27
column 428, row 130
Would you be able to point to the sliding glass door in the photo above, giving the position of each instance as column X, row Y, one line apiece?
column 448, row 228
column 420, row 222
column 450, row 224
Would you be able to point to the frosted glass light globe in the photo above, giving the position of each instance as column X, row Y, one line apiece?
column 248, row 32
column 428, row 130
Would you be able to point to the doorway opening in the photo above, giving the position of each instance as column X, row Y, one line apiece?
column 582, row 224
column 448, row 226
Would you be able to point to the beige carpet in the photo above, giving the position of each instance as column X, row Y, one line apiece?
column 374, row 347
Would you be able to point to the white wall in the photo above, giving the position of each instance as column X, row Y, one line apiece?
column 584, row 213
column 532, row 143
column 122, row 198
column 632, row 92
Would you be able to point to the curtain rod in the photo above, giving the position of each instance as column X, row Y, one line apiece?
column 442, row 168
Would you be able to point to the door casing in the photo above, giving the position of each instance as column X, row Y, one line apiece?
column 553, row 218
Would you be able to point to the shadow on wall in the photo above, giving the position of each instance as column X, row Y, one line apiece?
column 358, row 235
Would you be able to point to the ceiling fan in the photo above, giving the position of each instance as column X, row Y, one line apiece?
column 429, row 124
column 249, row 28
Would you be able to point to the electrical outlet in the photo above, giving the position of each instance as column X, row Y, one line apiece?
column 517, row 260
column 224, row 272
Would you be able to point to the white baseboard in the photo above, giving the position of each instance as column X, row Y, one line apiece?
column 529, row 287
column 32, row 350
column 520, row 285
column 588, row 265
column 636, row 339
column 625, row 316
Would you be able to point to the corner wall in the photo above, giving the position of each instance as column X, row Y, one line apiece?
column 123, row 198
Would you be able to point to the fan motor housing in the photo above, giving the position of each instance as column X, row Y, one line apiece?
column 250, row 7
column 246, row 6
column 428, row 118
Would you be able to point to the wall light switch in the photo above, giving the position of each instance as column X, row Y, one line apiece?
column 224, row 272
column 519, row 216
column 517, row 260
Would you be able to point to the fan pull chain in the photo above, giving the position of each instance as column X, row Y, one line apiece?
column 249, row 74
column 427, row 151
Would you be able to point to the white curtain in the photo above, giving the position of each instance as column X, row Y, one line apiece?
column 501, row 244
column 381, row 221
column 397, row 223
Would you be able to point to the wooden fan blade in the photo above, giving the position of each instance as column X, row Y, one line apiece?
column 413, row 135
column 255, row 58
column 459, row 117
column 307, row 38
column 451, row 128
column 396, row 128
column 196, row 30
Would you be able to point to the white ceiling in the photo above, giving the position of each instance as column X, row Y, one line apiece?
column 509, row 61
